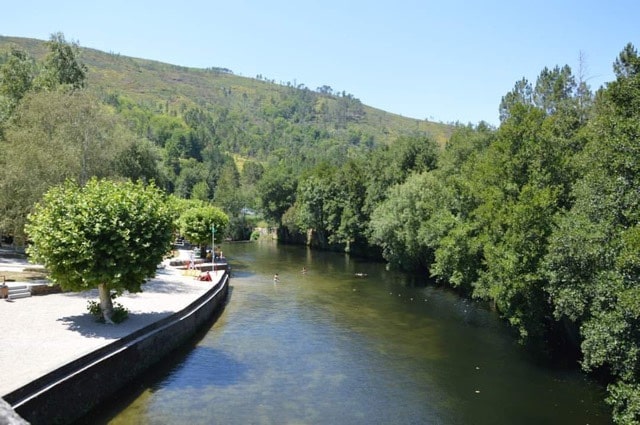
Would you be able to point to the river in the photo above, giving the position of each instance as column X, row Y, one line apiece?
column 328, row 347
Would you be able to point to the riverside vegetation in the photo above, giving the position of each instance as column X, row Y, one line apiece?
column 538, row 216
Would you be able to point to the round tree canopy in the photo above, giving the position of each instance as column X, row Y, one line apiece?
column 106, row 232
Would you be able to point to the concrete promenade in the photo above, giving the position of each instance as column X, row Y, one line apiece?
column 42, row 333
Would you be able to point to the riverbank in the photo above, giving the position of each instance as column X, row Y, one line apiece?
column 42, row 334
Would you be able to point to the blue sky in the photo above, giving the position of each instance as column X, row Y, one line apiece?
column 446, row 61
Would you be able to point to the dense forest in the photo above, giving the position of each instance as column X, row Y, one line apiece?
column 539, row 216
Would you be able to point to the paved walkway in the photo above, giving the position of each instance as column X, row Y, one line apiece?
column 42, row 333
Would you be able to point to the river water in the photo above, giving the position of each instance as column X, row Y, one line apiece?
column 327, row 347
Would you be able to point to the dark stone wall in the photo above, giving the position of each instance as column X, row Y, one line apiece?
column 71, row 391
column 319, row 240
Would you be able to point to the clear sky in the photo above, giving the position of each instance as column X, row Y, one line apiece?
column 447, row 60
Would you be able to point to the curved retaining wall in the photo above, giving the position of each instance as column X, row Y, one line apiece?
column 71, row 391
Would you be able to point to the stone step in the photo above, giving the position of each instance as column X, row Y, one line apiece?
column 17, row 292
column 19, row 295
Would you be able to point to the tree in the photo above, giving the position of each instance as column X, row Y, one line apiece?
column 522, row 94
column 227, row 194
column 251, row 173
column 627, row 64
column 553, row 87
column 593, row 266
column 200, row 191
column 392, row 164
column 141, row 160
column 196, row 222
column 400, row 223
column 55, row 136
column 277, row 190
column 16, row 78
column 104, row 235
column 318, row 202
column 190, row 172
column 62, row 66
column 349, row 226
column 502, row 203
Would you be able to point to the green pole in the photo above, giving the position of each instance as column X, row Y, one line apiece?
column 213, row 243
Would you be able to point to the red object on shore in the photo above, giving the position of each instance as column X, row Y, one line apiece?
column 206, row 276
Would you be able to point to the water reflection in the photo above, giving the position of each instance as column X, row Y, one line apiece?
column 326, row 347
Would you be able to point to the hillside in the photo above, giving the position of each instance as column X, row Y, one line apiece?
column 256, row 104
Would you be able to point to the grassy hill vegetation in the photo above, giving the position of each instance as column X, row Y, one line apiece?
column 175, row 89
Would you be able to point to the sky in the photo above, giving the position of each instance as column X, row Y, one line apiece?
column 446, row 61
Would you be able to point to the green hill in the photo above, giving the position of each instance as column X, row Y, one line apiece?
column 203, row 134
column 252, row 108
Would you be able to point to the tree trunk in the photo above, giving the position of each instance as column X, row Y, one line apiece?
column 106, row 305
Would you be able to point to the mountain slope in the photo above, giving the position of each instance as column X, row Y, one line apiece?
column 259, row 101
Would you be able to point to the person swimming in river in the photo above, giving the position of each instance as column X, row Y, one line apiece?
column 276, row 278
column 361, row 275
column 304, row 270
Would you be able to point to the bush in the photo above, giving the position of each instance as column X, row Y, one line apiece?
column 119, row 315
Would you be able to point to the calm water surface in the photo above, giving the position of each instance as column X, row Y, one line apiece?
column 327, row 347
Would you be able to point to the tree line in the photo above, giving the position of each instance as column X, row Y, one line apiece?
column 539, row 217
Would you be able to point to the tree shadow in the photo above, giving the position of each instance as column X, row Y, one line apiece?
column 87, row 326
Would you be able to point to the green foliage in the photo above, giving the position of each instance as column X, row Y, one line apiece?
column 228, row 195
column 400, row 224
column 252, row 172
column 277, row 191
column 349, row 225
column 236, row 111
column 16, row 76
column 556, row 92
column 625, row 399
column 627, row 64
column 392, row 164
column 101, row 233
column 104, row 235
column 196, row 222
column 119, row 314
column 592, row 263
column 200, row 191
column 141, row 161
column 522, row 94
column 329, row 202
column 56, row 136
column 504, row 199
column 195, row 122
column 315, row 198
column 62, row 67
